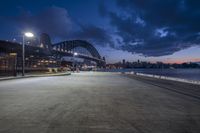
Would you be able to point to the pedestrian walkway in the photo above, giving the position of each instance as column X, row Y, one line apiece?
column 96, row 102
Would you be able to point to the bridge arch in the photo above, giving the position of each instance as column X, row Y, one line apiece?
column 70, row 45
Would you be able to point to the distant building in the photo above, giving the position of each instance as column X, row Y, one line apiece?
column 123, row 61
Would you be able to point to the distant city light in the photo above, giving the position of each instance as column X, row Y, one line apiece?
column 29, row 34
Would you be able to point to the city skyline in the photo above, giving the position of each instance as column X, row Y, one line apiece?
column 166, row 31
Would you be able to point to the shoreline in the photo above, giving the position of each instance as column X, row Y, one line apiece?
column 162, row 77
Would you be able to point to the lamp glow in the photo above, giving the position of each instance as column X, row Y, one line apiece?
column 75, row 53
column 29, row 34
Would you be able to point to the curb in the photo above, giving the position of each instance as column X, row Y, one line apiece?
column 32, row 76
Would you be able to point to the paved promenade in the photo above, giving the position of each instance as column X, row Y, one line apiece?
column 93, row 102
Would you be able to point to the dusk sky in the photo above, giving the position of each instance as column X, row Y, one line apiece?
column 148, row 30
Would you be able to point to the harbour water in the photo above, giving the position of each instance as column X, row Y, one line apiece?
column 188, row 74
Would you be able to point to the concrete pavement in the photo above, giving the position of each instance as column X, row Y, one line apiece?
column 95, row 102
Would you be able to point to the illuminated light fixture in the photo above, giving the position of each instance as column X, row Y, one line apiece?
column 75, row 53
column 29, row 34
column 41, row 45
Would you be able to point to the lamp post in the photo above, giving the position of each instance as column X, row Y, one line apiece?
column 74, row 54
column 29, row 35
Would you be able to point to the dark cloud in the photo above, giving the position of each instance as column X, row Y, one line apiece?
column 102, row 9
column 58, row 24
column 155, row 27
column 97, row 35
column 54, row 21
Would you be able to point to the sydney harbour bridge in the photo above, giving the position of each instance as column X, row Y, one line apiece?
column 44, row 51
column 61, row 49
column 84, row 50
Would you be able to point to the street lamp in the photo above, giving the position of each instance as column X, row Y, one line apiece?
column 29, row 35
column 74, row 54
